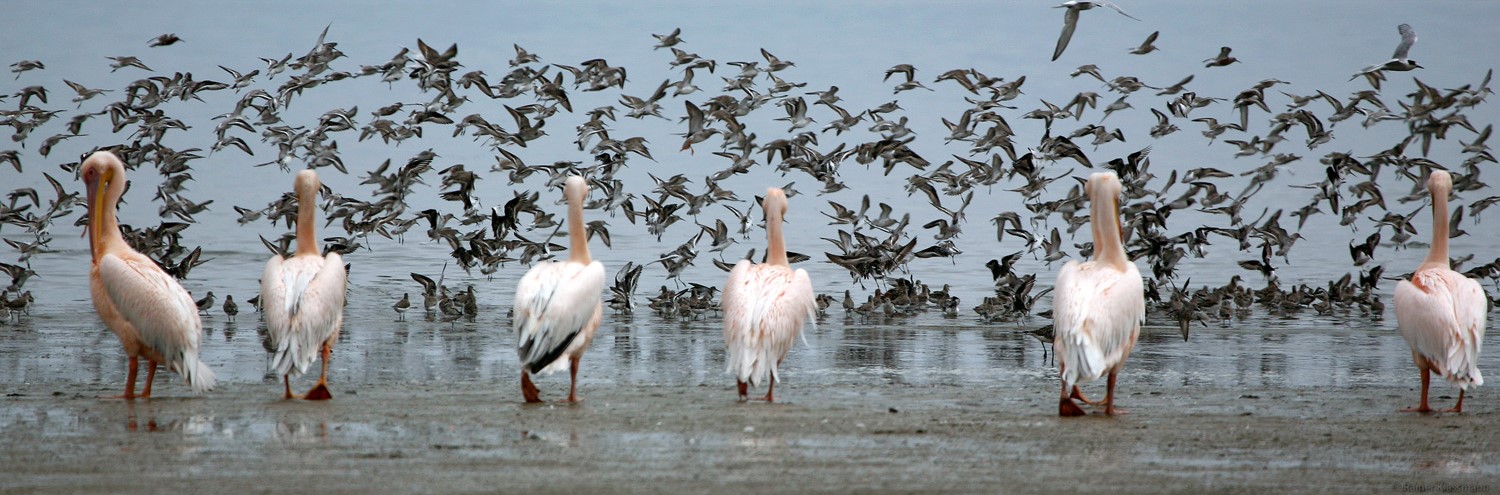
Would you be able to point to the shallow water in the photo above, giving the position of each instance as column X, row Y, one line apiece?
column 646, row 349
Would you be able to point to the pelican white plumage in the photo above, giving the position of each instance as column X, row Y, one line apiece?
column 1097, row 306
column 1440, row 312
column 558, row 305
column 303, row 297
column 764, row 306
column 147, row 309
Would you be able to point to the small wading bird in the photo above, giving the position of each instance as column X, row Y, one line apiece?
column 764, row 307
column 304, row 298
column 230, row 308
column 151, row 313
column 558, row 305
column 205, row 304
column 1440, row 312
column 402, row 306
column 1099, row 305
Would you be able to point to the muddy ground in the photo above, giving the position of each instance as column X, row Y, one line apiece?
column 476, row 437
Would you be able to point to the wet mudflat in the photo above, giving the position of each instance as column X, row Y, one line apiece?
column 867, row 408
column 895, row 438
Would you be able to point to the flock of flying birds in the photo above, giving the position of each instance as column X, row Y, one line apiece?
column 1002, row 139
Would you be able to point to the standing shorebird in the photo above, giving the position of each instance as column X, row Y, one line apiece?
column 1440, row 312
column 304, row 298
column 1098, row 306
column 230, row 308
column 206, row 303
column 151, row 313
column 764, row 307
column 558, row 304
column 401, row 306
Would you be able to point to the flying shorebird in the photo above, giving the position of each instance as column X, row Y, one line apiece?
column 558, row 305
column 1440, row 312
column 1398, row 61
column 1098, row 306
column 1147, row 46
column 151, row 313
column 84, row 92
column 764, row 307
column 1070, row 20
column 124, row 61
column 164, row 40
column 304, row 298
column 1222, row 59
column 26, row 65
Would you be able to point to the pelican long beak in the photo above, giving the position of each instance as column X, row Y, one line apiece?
column 89, row 231
column 1119, row 227
column 96, row 209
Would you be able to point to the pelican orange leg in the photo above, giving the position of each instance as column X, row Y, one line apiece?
column 573, row 378
column 320, row 390
column 1109, row 396
column 1066, row 406
column 528, row 389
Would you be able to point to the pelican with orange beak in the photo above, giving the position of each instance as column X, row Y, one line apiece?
column 150, row 312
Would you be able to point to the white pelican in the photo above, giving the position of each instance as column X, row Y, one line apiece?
column 147, row 309
column 558, row 304
column 764, row 307
column 303, row 297
column 1097, row 306
column 1440, row 312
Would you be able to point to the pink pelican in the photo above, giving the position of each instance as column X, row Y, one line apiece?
column 1440, row 312
column 147, row 309
column 764, row 307
column 303, row 297
column 558, row 304
column 1097, row 306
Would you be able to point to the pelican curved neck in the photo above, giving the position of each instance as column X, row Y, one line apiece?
column 307, row 213
column 105, row 223
column 578, row 250
column 776, row 245
column 1438, row 254
column 1104, row 222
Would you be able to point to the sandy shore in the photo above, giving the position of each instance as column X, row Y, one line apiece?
column 476, row 437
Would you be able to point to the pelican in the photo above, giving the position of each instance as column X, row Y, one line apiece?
column 1098, row 306
column 558, row 304
column 303, row 298
column 764, row 306
column 151, row 313
column 1440, row 312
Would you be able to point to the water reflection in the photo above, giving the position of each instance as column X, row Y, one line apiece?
column 648, row 349
column 299, row 431
column 133, row 420
column 1448, row 464
column 568, row 439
